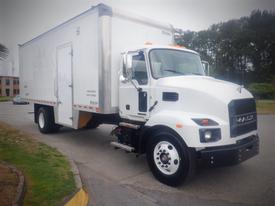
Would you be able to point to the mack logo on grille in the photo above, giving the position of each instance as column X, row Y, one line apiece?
column 245, row 119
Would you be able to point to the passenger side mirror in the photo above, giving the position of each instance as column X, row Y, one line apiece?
column 205, row 65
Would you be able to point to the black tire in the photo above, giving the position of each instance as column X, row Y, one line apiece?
column 49, row 125
column 92, row 124
column 186, row 162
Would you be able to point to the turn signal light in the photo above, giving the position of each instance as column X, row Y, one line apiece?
column 205, row 122
column 148, row 43
column 177, row 46
column 178, row 125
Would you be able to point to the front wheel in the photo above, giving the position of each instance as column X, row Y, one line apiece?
column 169, row 159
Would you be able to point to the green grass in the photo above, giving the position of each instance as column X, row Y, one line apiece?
column 265, row 106
column 48, row 175
column 4, row 99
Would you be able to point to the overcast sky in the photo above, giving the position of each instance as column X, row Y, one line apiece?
column 21, row 20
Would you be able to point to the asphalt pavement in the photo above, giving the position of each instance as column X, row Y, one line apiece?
column 113, row 177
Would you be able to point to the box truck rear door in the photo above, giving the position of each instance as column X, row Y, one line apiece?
column 64, row 83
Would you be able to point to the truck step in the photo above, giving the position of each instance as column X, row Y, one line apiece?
column 123, row 146
column 129, row 125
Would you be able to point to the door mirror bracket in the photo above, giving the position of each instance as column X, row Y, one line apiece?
column 134, row 84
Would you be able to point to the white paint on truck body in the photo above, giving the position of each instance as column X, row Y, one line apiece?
column 39, row 63
column 98, row 38
column 199, row 97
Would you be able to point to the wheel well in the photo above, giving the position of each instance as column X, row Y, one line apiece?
column 36, row 109
column 147, row 134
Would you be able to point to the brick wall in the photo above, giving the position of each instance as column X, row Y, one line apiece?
column 9, row 86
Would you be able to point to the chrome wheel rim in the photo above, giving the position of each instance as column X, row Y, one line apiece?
column 41, row 120
column 166, row 158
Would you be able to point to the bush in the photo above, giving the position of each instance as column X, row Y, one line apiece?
column 262, row 90
column 5, row 99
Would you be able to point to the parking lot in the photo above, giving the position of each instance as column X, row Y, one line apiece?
column 113, row 177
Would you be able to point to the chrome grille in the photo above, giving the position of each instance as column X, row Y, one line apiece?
column 242, row 116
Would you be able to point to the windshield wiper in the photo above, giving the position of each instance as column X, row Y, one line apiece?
column 171, row 70
column 195, row 74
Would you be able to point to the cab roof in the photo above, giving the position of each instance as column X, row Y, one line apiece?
column 174, row 47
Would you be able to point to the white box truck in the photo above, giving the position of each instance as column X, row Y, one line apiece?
column 97, row 69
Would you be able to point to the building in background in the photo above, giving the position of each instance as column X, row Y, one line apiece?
column 9, row 83
column 9, row 86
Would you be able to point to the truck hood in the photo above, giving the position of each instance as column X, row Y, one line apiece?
column 222, row 90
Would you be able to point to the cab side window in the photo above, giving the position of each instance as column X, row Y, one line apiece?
column 139, row 69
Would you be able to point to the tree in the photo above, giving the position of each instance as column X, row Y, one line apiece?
column 4, row 52
column 237, row 48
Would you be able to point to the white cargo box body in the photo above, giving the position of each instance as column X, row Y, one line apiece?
column 89, row 47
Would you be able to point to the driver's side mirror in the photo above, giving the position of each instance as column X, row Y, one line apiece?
column 128, row 69
column 129, row 64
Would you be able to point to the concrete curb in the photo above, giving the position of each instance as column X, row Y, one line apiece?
column 76, row 174
column 79, row 197
column 21, row 188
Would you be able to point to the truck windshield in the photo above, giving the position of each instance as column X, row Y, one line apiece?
column 169, row 62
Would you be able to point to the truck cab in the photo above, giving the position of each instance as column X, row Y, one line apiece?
column 185, row 114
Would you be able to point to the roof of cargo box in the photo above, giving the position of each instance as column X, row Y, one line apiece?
column 105, row 10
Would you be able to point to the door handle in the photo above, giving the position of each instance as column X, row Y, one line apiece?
column 59, row 102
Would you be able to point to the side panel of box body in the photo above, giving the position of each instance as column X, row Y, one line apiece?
column 38, row 62
column 87, row 65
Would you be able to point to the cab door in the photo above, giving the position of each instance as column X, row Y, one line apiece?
column 134, row 92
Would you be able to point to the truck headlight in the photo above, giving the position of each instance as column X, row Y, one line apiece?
column 210, row 135
column 207, row 135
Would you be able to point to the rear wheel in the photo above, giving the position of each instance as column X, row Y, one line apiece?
column 169, row 159
column 46, row 123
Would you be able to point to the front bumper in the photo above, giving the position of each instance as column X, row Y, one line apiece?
column 231, row 154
